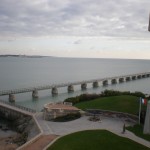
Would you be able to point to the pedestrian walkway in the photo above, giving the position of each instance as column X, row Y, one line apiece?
column 41, row 143
column 132, row 136
column 83, row 123
column 43, row 124
column 17, row 108
column 114, row 125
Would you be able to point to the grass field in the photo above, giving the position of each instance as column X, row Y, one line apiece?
column 124, row 103
column 138, row 131
column 95, row 140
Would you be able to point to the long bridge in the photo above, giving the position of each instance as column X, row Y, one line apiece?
column 70, row 85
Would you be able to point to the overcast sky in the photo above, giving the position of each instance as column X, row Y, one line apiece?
column 75, row 28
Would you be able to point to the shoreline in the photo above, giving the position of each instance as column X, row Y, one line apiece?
column 7, row 136
column 5, row 128
column 16, row 131
column 7, row 140
column 9, row 132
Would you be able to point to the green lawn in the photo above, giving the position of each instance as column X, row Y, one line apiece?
column 95, row 140
column 138, row 131
column 124, row 103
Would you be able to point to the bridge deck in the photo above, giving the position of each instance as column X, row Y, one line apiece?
column 45, row 87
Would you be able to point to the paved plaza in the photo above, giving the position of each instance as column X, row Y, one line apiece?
column 114, row 125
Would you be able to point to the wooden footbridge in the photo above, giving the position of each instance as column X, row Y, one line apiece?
column 70, row 85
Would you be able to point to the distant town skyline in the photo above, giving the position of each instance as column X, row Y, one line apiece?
column 81, row 28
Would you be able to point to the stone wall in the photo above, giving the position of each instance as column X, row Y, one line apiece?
column 23, row 123
column 54, row 113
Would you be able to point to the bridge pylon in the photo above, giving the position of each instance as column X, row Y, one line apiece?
column 54, row 91
column 95, row 84
column 12, row 98
column 70, row 88
column 83, row 86
column 35, row 93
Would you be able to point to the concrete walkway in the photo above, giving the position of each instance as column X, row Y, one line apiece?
column 41, row 143
column 114, row 125
column 16, row 109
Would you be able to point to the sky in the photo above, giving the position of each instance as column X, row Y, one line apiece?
column 75, row 28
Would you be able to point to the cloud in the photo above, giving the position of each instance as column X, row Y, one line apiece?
column 77, row 42
column 36, row 18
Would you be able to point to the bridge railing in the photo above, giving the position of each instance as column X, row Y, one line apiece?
column 45, row 87
column 18, row 106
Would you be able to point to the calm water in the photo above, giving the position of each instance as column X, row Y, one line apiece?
column 29, row 72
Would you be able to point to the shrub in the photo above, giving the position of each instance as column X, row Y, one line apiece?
column 68, row 117
column 105, row 93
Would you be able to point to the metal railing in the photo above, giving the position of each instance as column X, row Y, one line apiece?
column 18, row 106
column 45, row 87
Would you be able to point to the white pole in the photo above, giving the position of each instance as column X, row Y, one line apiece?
column 149, row 24
column 140, row 110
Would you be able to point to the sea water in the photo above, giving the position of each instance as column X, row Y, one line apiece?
column 17, row 72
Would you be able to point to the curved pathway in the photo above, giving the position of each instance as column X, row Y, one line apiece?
column 41, row 143
column 114, row 125
column 83, row 123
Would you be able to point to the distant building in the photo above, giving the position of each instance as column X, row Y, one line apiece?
column 54, row 110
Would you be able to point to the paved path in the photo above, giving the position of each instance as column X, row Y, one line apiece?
column 114, row 125
column 83, row 123
column 41, row 143
column 133, row 137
